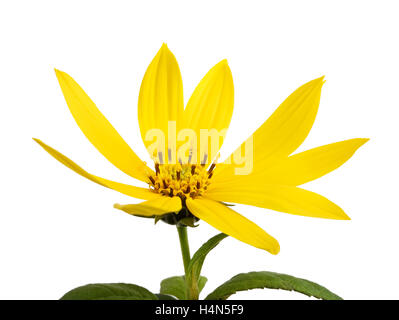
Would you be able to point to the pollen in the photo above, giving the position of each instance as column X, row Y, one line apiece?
column 182, row 180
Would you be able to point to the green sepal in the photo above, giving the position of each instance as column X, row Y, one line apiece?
column 109, row 291
column 227, row 204
column 177, row 287
column 189, row 222
column 157, row 218
column 270, row 280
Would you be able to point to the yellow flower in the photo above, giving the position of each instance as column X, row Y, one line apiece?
column 200, row 188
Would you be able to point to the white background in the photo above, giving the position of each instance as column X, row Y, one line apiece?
column 59, row 231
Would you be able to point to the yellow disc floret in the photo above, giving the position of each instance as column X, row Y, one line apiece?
column 182, row 180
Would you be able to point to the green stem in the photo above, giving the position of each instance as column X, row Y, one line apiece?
column 185, row 249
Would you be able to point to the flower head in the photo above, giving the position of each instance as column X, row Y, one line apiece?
column 186, row 181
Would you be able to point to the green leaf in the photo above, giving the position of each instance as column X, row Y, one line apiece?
column 164, row 297
column 194, row 267
column 196, row 262
column 201, row 283
column 109, row 291
column 176, row 286
column 270, row 280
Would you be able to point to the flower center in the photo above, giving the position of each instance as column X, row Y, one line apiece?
column 182, row 180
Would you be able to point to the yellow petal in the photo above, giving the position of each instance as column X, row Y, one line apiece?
column 312, row 164
column 230, row 222
column 211, row 107
column 99, row 131
column 161, row 98
column 298, row 169
column 129, row 190
column 280, row 198
column 285, row 129
column 154, row 207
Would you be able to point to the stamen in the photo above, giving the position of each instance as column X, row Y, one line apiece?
column 210, row 175
column 160, row 156
column 190, row 155
column 169, row 155
column 184, row 181
column 157, row 168
column 204, row 160
column 213, row 165
column 152, row 180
